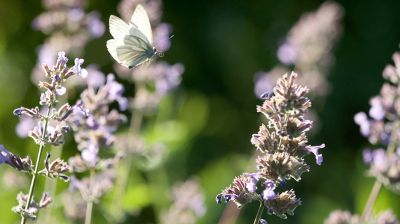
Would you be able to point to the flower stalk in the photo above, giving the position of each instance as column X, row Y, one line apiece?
column 89, row 203
column 259, row 213
column 36, row 171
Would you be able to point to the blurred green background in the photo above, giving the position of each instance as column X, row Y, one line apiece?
column 222, row 44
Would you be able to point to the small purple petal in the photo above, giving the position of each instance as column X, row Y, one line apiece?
column 25, row 125
column 4, row 155
column 61, row 90
column 362, row 120
column 269, row 192
column 77, row 69
column 62, row 59
column 95, row 26
column 314, row 150
column 376, row 111
column 368, row 156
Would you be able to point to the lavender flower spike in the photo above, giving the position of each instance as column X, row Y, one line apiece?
column 282, row 144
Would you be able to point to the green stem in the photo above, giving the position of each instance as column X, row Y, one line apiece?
column 35, row 172
column 50, row 186
column 378, row 185
column 89, row 202
column 259, row 213
column 125, row 167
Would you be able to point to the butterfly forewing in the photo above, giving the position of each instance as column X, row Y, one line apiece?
column 141, row 20
column 118, row 28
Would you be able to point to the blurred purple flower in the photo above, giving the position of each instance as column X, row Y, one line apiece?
column 95, row 26
column 25, row 125
column 377, row 112
column 116, row 90
column 162, row 39
column 362, row 120
column 76, row 14
column 95, row 77
column 78, row 69
column 170, row 78
column 286, row 53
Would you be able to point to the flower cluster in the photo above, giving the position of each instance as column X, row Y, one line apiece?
column 282, row 144
column 307, row 47
column 382, row 129
column 69, row 28
column 52, row 126
column 94, row 124
column 49, row 127
column 345, row 217
column 188, row 204
column 34, row 207
column 153, row 83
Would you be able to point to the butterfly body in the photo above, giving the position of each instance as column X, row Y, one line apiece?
column 133, row 42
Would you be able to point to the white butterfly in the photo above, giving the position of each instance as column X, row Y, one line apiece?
column 133, row 43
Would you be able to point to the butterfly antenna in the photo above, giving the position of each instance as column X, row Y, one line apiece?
column 170, row 37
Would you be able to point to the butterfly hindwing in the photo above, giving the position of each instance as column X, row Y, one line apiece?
column 112, row 48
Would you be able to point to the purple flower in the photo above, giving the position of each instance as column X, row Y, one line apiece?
column 376, row 111
column 62, row 59
column 170, row 79
column 362, row 120
column 115, row 92
column 25, row 125
column 77, row 68
column 251, row 184
column 368, row 156
column 314, row 149
column 76, row 14
column 15, row 161
column 61, row 90
column 90, row 156
column 95, row 77
column 95, row 26
column 286, row 53
column 269, row 193
column 380, row 160
column 5, row 155
column 162, row 38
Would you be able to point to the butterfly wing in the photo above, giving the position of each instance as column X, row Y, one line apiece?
column 141, row 21
column 133, row 52
column 118, row 28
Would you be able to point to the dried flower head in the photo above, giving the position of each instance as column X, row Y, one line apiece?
column 34, row 207
column 241, row 191
column 282, row 142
